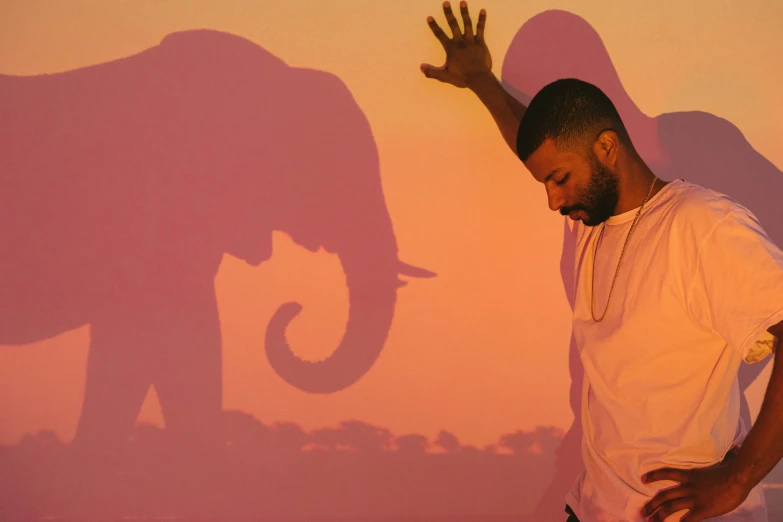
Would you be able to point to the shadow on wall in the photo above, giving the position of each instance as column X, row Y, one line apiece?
column 123, row 184
column 351, row 473
column 695, row 146
column 281, row 472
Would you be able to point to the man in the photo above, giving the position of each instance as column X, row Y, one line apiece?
column 698, row 146
column 675, row 284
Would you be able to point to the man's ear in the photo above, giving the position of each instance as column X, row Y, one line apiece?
column 605, row 147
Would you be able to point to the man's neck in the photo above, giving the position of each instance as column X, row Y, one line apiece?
column 635, row 183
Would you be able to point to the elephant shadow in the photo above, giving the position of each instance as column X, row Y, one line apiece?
column 123, row 184
column 696, row 146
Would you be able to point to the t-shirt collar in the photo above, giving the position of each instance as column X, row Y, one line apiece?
column 625, row 217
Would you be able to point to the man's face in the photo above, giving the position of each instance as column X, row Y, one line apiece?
column 577, row 186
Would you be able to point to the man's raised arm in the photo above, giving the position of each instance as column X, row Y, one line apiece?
column 469, row 65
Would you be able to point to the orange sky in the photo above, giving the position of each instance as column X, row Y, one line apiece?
column 482, row 349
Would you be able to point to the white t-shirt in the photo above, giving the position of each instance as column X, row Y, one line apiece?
column 700, row 282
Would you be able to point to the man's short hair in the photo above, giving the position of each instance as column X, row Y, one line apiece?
column 569, row 111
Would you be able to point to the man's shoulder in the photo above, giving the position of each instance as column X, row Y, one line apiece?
column 691, row 199
column 696, row 210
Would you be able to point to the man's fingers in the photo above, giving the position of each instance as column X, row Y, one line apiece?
column 672, row 507
column 430, row 71
column 677, row 475
column 694, row 514
column 452, row 20
column 439, row 34
column 481, row 23
column 466, row 21
column 662, row 497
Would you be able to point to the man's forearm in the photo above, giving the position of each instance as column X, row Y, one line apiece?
column 505, row 109
column 763, row 447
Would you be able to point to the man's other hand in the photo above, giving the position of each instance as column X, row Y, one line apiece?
column 704, row 492
column 467, row 56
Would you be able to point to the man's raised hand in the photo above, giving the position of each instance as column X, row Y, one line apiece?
column 467, row 56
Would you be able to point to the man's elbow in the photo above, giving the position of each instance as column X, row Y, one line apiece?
column 776, row 330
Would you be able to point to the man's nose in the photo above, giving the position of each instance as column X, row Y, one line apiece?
column 556, row 199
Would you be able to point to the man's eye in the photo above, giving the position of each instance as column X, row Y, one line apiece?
column 563, row 180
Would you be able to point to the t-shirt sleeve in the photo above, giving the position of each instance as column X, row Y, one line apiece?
column 737, row 287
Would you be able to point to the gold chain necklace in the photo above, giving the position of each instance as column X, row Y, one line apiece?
column 595, row 251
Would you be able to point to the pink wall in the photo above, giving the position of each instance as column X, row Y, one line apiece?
column 165, row 189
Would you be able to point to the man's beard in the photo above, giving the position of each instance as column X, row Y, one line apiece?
column 599, row 199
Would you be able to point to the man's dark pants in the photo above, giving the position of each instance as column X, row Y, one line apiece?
column 571, row 516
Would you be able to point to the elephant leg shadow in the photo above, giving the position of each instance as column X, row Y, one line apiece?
column 171, row 343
